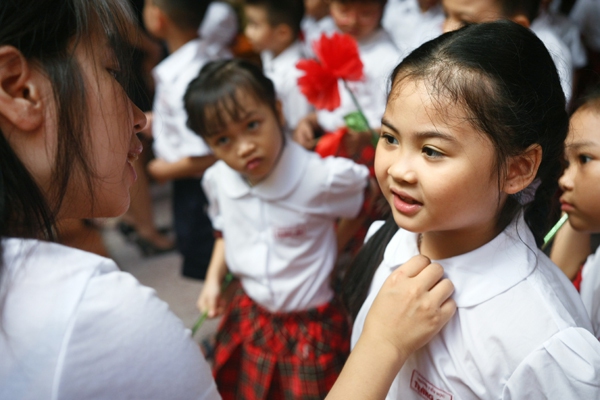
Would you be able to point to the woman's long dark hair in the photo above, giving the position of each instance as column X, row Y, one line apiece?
column 46, row 33
column 505, row 79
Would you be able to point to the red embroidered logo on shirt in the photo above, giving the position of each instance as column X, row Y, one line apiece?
column 289, row 231
column 425, row 389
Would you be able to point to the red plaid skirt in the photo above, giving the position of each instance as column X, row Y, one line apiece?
column 261, row 355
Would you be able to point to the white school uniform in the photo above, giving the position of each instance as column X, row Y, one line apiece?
column 284, row 74
column 520, row 330
column 75, row 327
column 313, row 29
column 567, row 31
column 173, row 140
column 590, row 289
column 560, row 55
column 586, row 14
column 380, row 56
column 218, row 29
column 409, row 26
column 279, row 235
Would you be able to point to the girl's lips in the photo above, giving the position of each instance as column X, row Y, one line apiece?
column 566, row 207
column 253, row 164
column 405, row 204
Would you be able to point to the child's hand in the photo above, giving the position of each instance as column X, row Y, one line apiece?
column 411, row 307
column 304, row 134
column 210, row 299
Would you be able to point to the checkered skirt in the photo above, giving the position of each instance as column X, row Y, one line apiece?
column 263, row 355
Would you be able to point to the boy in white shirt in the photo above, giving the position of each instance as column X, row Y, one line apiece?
column 461, row 12
column 182, row 157
column 316, row 21
column 273, row 28
column 413, row 22
column 219, row 28
column 360, row 19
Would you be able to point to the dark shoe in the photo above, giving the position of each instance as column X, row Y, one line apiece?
column 148, row 248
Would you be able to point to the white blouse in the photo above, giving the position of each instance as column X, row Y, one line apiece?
column 75, row 327
column 520, row 330
column 279, row 235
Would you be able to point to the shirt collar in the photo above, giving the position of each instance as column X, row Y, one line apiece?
column 172, row 66
column 283, row 179
column 482, row 273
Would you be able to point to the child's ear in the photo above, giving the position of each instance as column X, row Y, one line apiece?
column 521, row 19
column 21, row 102
column 521, row 169
column 279, row 115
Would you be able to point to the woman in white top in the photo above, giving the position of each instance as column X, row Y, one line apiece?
column 72, row 325
column 469, row 159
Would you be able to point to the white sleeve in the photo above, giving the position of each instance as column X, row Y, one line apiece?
column 590, row 290
column 210, row 187
column 566, row 367
column 125, row 344
column 346, row 183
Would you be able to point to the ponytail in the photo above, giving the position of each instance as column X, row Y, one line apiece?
column 357, row 280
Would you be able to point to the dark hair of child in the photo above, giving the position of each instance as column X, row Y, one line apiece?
column 211, row 99
column 529, row 8
column 505, row 79
column 591, row 100
column 382, row 2
column 186, row 14
column 287, row 12
column 46, row 32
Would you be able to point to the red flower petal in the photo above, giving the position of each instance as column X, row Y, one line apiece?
column 318, row 85
column 339, row 55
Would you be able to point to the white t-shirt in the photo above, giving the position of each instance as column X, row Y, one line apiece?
column 379, row 56
column 279, row 234
column 284, row 74
column 409, row 26
column 75, row 327
column 590, row 289
column 560, row 55
column 567, row 31
column 173, row 140
column 586, row 14
column 313, row 29
column 218, row 29
column 520, row 330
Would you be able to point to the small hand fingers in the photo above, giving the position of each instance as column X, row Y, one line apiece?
column 413, row 266
column 441, row 291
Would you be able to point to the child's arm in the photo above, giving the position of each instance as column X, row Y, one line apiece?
column 409, row 310
column 210, row 298
column 187, row 167
column 570, row 249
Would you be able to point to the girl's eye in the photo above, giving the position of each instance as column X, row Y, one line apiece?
column 584, row 159
column 115, row 73
column 253, row 125
column 432, row 153
column 389, row 139
column 222, row 141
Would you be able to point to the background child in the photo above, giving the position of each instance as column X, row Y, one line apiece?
column 316, row 21
column 579, row 184
column 413, row 22
column 470, row 124
column 181, row 156
column 361, row 19
column 275, row 205
column 523, row 12
column 273, row 28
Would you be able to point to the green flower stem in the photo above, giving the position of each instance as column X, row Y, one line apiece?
column 226, row 282
column 548, row 238
column 374, row 135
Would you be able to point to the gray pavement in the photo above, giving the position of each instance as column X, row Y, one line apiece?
column 161, row 272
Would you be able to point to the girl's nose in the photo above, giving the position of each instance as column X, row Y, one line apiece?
column 566, row 180
column 402, row 171
column 245, row 148
column 139, row 118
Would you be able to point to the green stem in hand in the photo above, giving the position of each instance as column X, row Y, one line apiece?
column 202, row 318
column 548, row 238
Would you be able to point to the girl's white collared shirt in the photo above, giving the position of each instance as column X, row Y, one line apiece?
column 590, row 289
column 279, row 235
column 520, row 330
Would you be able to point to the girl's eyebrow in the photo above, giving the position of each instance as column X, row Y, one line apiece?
column 578, row 145
column 421, row 135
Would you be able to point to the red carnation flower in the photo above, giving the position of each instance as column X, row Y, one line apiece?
column 337, row 58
